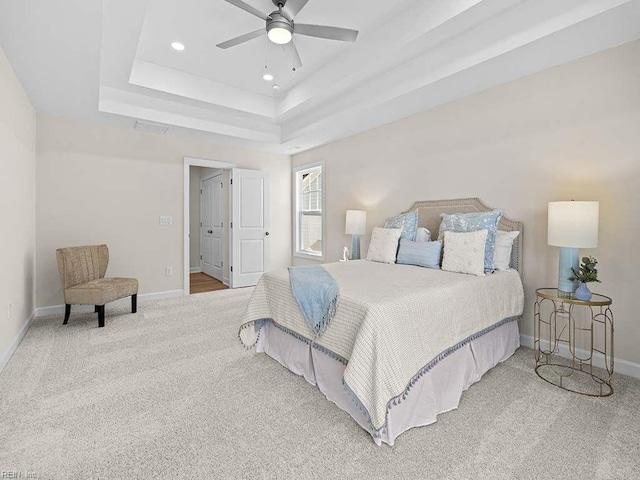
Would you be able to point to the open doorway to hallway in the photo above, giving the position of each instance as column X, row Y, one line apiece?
column 208, row 229
column 245, row 241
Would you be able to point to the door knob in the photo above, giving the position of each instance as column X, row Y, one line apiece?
column 267, row 234
column 209, row 231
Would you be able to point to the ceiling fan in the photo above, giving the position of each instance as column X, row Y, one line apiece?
column 280, row 27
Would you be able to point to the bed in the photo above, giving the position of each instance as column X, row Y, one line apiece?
column 405, row 341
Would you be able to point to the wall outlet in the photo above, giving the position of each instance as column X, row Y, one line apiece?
column 168, row 271
column 166, row 220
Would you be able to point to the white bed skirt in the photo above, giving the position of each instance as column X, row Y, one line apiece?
column 438, row 391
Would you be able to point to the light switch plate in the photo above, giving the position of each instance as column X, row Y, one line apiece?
column 166, row 220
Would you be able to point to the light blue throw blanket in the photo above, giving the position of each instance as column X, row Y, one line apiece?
column 316, row 292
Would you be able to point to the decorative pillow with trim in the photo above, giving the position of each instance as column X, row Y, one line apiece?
column 408, row 222
column 464, row 252
column 472, row 222
column 502, row 252
column 383, row 245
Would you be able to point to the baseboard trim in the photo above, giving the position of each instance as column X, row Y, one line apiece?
column 225, row 280
column 195, row 269
column 9, row 351
column 142, row 298
column 621, row 366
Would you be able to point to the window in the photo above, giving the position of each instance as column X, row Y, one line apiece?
column 309, row 219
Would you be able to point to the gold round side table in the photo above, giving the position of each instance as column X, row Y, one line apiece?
column 559, row 329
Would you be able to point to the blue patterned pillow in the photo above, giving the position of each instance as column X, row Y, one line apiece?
column 408, row 222
column 423, row 254
column 472, row 222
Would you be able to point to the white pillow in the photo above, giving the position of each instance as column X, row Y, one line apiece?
column 464, row 252
column 502, row 252
column 423, row 235
column 384, row 245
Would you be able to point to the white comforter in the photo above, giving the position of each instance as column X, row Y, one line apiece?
column 391, row 320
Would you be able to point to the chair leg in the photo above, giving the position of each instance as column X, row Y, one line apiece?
column 100, row 316
column 134, row 303
column 67, row 312
column 96, row 309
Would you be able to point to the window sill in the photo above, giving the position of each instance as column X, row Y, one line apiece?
column 309, row 256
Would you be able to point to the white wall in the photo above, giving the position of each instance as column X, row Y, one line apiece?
column 18, row 206
column 572, row 132
column 99, row 184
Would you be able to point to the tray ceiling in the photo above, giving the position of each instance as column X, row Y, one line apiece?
column 118, row 65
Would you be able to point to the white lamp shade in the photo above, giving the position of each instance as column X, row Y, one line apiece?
column 356, row 223
column 573, row 224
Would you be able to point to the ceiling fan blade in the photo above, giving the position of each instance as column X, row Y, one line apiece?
column 322, row 31
column 293, row 7
column 241, row 39
column 291, row 51
column 248, row 8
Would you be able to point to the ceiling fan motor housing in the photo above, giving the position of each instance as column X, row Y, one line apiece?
column 277, row 20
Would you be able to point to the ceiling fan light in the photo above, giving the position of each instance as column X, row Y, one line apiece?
column 279, row 35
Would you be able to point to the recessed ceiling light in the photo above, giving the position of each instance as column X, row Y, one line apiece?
column 177, row 46
column 276, row 86
column 267, row 76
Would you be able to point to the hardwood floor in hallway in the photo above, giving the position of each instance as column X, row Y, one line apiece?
column 201, row 283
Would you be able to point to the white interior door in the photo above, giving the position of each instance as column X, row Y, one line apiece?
column 249, row 226
column 211, row 238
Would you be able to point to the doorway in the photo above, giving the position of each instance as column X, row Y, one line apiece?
column 208, row 238
column 238, row 226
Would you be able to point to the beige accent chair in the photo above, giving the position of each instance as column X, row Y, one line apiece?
column 82, row 271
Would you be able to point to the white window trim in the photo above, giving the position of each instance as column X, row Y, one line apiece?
column 296, row 213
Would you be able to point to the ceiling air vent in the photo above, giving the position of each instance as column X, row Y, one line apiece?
column 149, row 127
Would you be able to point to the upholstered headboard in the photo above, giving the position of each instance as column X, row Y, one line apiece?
column 429, row 217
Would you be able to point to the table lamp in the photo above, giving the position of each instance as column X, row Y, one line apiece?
column 572, row 225
column 356, row 225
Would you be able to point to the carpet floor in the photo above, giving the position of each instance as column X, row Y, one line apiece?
column 170, row 393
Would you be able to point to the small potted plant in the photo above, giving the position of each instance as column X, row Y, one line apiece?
column 587, row 273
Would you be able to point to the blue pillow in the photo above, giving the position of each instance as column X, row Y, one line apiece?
column 472, row 222
column 423, row 254
column 408, row 222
